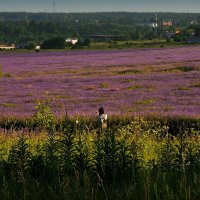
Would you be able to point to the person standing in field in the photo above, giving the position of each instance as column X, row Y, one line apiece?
column 102, row 118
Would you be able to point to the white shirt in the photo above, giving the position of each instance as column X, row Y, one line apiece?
column 103, row 120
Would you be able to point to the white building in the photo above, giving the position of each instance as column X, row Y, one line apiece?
column 72, row 40
column 7, row 47
column 149, row 24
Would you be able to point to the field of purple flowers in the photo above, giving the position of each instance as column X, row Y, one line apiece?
column 163, row 81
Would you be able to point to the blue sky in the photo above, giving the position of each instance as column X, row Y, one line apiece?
column 101, row 5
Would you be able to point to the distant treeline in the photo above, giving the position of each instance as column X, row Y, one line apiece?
column 20, row 28
column 102, row 17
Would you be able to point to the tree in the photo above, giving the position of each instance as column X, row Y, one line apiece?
column 197, row 31
column 54, row 43
column 31, row 45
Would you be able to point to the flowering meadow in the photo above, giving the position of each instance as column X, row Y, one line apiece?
column 163, row 81
column 130, row 160
column 150, row 149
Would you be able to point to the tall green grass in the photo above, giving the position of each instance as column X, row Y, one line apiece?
column 134, row 158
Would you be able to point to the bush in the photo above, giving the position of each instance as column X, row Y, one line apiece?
column 54, row 43
column 31, row 45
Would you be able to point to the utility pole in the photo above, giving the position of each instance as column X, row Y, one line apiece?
column 54, row 5
column 54, row 8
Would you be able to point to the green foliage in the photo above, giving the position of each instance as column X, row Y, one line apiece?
column 168, row 39
column 21, row 28
column 196, row 29
column 178, row 38
column 1, row 71
column 82, row 43
column 47, row 121
column 134, row 157
column 54, row 43
column 44, row 115
column 18, row 159
column 31, row 45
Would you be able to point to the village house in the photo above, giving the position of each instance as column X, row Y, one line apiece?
column 7, row 47
column 194, row 22
column 72, row 40
column 149, row 24
column 167, row 23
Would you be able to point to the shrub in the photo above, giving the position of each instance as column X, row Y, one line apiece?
column 54, row 43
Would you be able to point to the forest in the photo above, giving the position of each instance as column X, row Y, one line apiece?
column 20, row 28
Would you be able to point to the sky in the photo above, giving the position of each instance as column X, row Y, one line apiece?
column 67, row 6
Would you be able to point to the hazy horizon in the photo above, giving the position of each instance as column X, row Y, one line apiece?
column 67, row 6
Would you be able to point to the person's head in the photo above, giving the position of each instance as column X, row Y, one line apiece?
column 101, row 110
